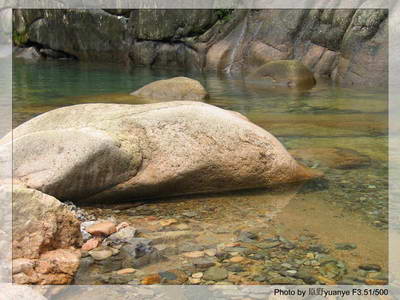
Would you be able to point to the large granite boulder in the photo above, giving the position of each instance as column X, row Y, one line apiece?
column 177, row 88
column 46, row 235
column 93, row 152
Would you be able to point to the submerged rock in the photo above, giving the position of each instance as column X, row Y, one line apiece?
column 100, row 152
column 291, row 73
column 177, row 88
column 337, row 158
column 215, row 274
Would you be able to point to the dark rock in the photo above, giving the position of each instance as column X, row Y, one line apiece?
column 215, row 274
column 125, row 235
column 203, row 263
column 345, row 246
column 370, row 267
column 268, row 245
column 168, row 275
column 189, row 247
column 259, row 278
column 306, row 275
column 246, row 237
column 282, row 280
column 189, row 214
column 235, row 268
column 236, row 249
column 318, row 248
column 49, row 53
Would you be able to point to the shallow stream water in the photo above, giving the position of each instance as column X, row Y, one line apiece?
column 340, row 131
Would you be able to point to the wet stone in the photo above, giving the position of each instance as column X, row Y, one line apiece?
column 101, row 254
column 282, row 280
column 267, row 245
column 345, row 246
column 210, row 252
column 235, row 268
column 318, row 248
column 256, row 256
column 189, row 214
column 168, row 275
column 125, row 235
column 236, row 249
column 305, row 276
column 215, row 274
column 203, row 263
column 190, row 247
column 259, row 278
column 247, row 237
column 370, row 267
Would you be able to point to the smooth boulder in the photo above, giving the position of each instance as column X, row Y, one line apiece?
column 177, row 88
column 290, row 73
column 111, row 152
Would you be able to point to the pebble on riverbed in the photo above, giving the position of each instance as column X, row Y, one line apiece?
column 249, row 259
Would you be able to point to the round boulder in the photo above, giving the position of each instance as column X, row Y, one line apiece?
column 111, row 152
column 291, row 73
column 177, row 88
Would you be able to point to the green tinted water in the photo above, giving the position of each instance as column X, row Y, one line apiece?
column 349, row 205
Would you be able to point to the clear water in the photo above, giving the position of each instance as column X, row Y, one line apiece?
column 349, row 205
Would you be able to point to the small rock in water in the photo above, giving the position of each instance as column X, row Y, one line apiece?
column 102, row 228
column 194, row 254
column 124, row 235
column 189, row 247
column 151, row 279
column 215, row 274
column 210, row 252
column 101, row 254
column 189, row 214
column 237, row 259
column 267, row 245
column 122, row 225
column 126, row 271
column 138, row 247
column 168, row 222
column 194, row 280
column 370, row 267
column 318, row 248
column 91, row 244
column 181, row 226
column 247, row 237
column 86, row 235
column 345, row 246
column 375, row 282
column 168, row 275
column 203, row 263
column 325, row 280
column 236, row 268
column 197, row 275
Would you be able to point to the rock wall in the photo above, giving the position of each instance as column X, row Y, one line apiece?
column 348, row 46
